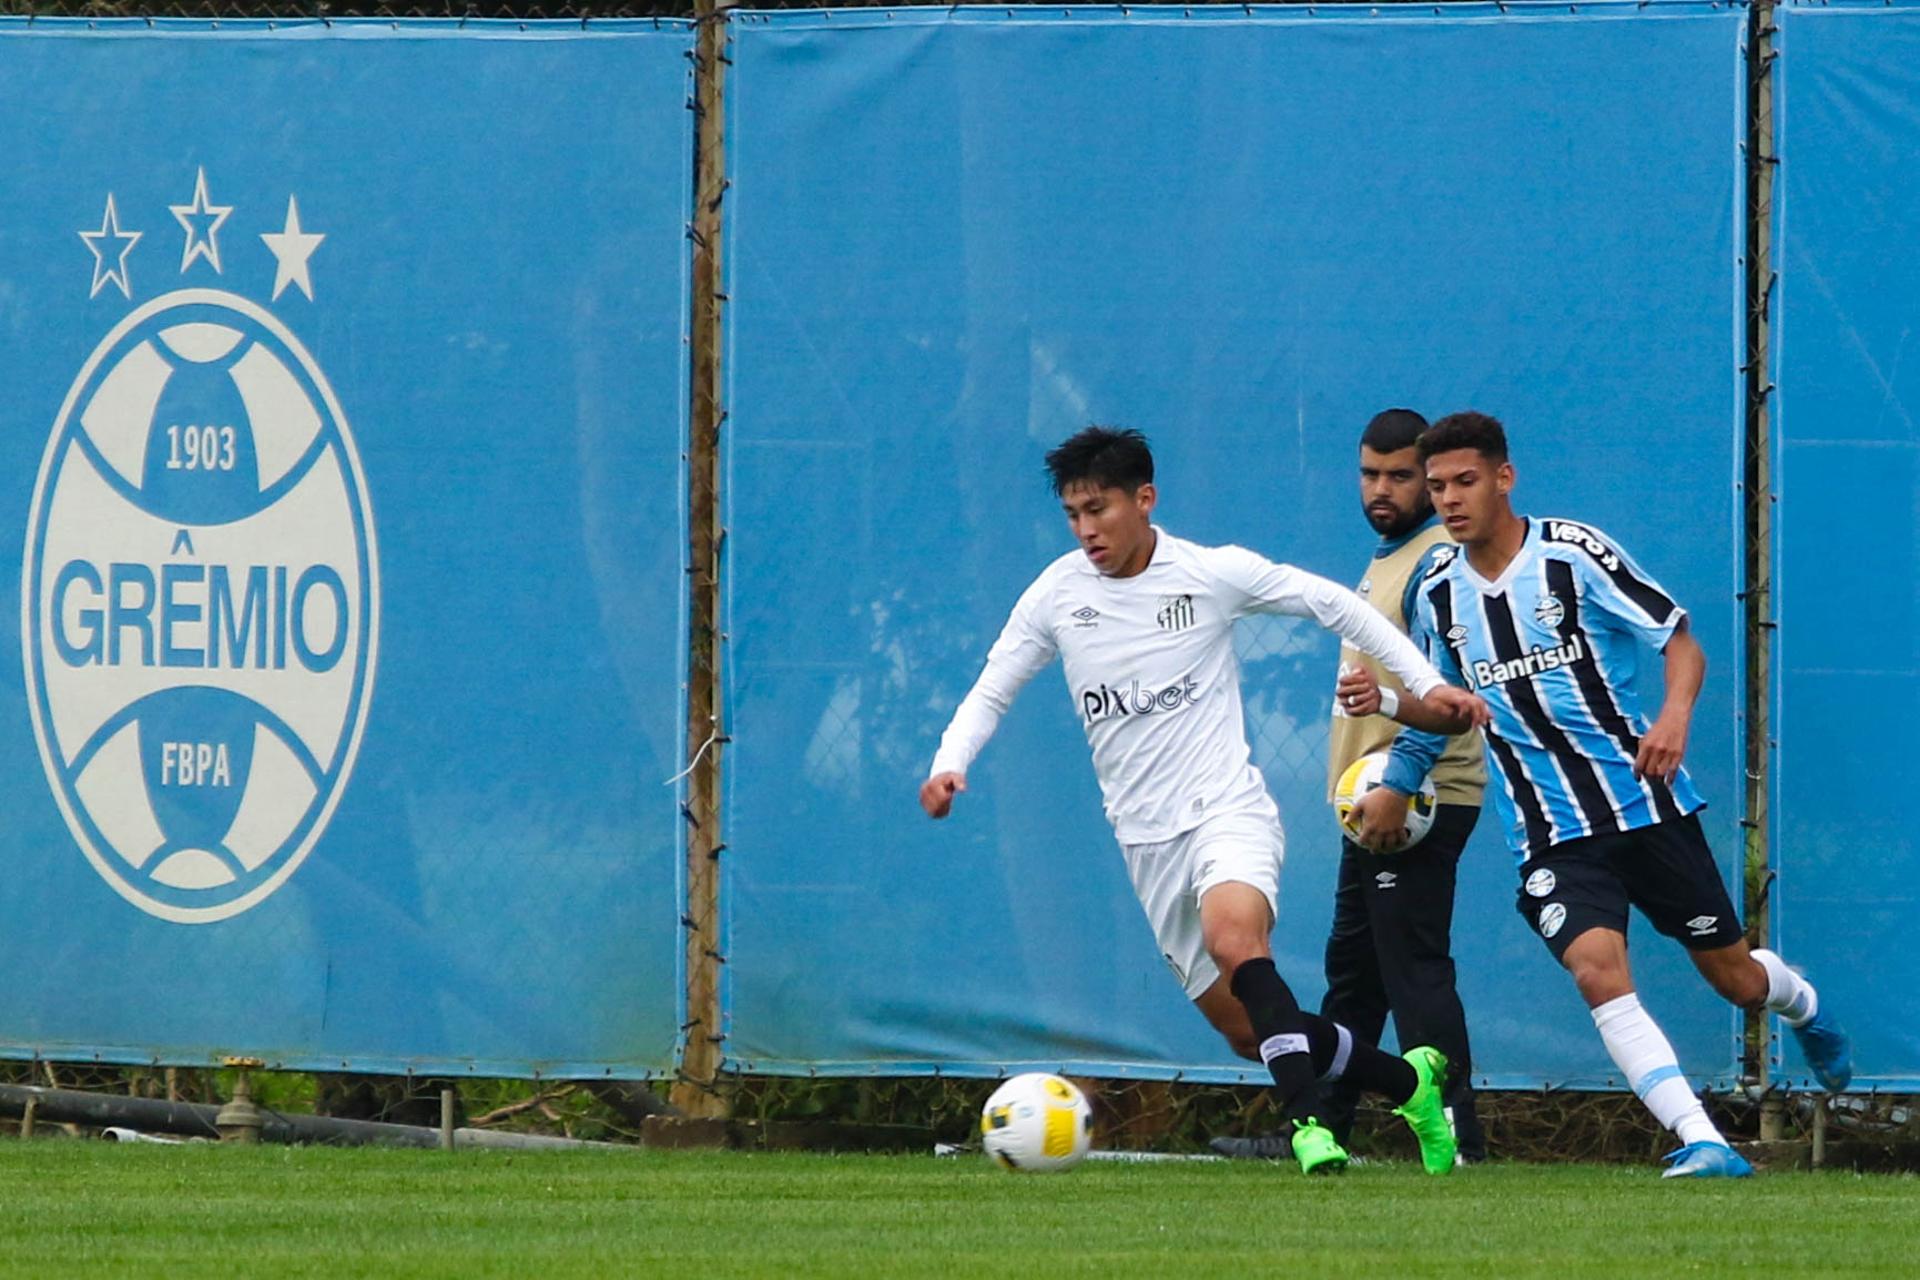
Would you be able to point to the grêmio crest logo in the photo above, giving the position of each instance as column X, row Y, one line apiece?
column 201, row 586
column 1531, row 663
column 1133, row 699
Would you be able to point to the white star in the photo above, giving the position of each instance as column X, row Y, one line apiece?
column 110, row 230
column 200, row 238
column 291, row 249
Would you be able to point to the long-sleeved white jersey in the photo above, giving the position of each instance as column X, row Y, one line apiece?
column 1149, row 661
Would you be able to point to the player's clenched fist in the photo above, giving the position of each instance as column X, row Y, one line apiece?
column 937, row 793
column 1461, row 705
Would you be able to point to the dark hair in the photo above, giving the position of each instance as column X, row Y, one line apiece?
column 1107, row 457
column 1477, row 431
column 1393, row 430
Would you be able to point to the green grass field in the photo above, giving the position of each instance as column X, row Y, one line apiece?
column 87, row 1208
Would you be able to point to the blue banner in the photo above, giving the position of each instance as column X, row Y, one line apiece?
column 1847, row 456
column 957, row 237
column 344, row 374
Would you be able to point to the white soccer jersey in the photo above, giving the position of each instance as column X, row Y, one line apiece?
column 1149, row 661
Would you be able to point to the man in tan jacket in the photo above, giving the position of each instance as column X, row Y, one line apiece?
column 1390, row 949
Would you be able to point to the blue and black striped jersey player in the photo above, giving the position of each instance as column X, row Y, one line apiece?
column 1543, row 619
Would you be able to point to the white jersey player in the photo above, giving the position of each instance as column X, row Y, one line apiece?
column 1142, row 622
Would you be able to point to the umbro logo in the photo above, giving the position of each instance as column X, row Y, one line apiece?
column 1385, row 879
column 1456, row 634
column 1086, row 616
column 1702, row 925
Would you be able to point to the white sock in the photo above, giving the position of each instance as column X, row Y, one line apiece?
column 1642, row 1053
column 1788, row 994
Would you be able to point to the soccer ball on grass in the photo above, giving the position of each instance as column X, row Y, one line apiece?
column 1036, row 1123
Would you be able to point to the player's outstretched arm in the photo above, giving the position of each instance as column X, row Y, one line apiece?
column 1285, row 589
column 1024, row 647
column 1447, row 709
column 937, row 793
column 1665, row 743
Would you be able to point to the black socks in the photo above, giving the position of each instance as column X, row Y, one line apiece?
column 1280, row 1030
column 1300, row 1048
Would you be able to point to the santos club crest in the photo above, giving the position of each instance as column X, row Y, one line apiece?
column 200, row 596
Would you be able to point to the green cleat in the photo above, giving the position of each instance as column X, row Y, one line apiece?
column 1425, row 1114
column 1315, row 1148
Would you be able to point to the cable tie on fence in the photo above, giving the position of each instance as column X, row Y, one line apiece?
column 715, row 956
column 713, row 854
column 687, row 813
column 688, row 922
column 695, row 762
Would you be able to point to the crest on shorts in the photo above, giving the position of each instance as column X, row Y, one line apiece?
column 1540, row 883
column 1552, row 916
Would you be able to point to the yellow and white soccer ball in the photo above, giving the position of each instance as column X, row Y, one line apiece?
column 1037, row 1123
column 1362, row 776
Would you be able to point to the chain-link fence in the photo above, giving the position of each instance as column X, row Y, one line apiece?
column 321, row 10
column 1287, row 667
column 509, row 10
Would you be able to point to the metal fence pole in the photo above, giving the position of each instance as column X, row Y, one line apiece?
column 1757, row 485
column 696, row 1092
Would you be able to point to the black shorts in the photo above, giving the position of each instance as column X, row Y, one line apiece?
column 1666, row 870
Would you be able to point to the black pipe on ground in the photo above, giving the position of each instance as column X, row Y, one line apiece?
column 195, row 1120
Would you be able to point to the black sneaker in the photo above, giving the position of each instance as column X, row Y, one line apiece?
column 1264, row 1146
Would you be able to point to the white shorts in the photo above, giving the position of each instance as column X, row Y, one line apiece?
column 1170, row 877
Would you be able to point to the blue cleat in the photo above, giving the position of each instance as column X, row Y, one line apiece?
column 1708, row 1160
column 1827, row 1051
